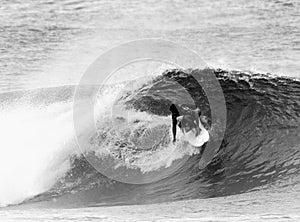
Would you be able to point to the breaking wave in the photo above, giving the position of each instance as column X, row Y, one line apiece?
column 41, row 161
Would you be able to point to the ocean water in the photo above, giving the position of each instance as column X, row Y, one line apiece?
column 253, row 49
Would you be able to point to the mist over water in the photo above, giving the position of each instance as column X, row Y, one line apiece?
column 53, row 42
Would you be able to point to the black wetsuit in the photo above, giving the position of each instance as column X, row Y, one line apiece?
column 175, row 114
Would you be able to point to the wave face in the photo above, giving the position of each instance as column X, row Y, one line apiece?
column 260, row 148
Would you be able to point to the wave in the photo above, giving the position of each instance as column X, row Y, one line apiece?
column 260, row 148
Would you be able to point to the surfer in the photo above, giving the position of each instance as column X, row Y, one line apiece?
column 187, row 122
column 175, row 115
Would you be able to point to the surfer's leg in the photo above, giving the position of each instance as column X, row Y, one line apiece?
column 174, row 123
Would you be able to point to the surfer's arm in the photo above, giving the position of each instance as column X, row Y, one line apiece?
column 197, row 112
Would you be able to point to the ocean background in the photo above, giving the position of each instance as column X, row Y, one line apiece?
column 253, row 47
